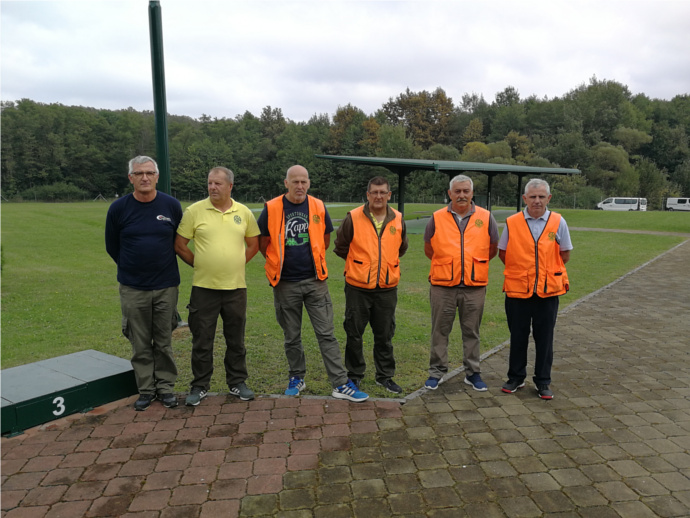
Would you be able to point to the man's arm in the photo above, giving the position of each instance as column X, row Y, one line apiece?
column 493, row 237
column 112, row 238
column 329, row 228
column 251, row 249
column 493, row 250
column 405, row 243
column 343, row 237
column 565, row 255
column 264, row 241
column 429, row 232
column 502, row 256
column 182, row 249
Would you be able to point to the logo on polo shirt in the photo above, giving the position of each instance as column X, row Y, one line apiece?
column 238, row 219
column 479, row 223
column 393, row 230
column 552, row 236
column 160, row 217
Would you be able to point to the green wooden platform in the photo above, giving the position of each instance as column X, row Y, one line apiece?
column 40, row 392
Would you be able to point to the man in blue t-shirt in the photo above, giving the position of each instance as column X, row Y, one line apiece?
column 295, row 233
column 140, row 236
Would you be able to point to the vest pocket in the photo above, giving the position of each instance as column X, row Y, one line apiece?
column 359, row 271
column 321, row 269
column 442, row 271
column 516, row 282
column 554, row 282
column 480, row 269
column 392, row 275
column 272, row 266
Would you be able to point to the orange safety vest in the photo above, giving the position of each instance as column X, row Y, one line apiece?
column 533, row 266
column 275, row 252
column 460, row 257
column 372, row 259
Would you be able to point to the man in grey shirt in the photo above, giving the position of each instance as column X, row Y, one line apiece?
column 534, row 247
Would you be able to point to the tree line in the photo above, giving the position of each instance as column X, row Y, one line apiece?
column 624, row 144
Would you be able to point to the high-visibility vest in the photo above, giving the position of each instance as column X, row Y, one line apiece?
column 275, row 252
column 534, row 266
column 460, row 257
column 372, row 259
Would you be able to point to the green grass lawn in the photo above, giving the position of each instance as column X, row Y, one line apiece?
column 59, row 293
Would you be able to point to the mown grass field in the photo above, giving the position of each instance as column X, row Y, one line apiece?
column 59, row 292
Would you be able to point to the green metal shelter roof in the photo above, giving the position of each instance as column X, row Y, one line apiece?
column 412, row 164
column 404, row 166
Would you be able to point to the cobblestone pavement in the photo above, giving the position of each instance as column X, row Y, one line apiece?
column 614, row 442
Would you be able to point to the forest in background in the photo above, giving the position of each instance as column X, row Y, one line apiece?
column 624, row 144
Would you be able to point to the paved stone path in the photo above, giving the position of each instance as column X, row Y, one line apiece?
column 614, row 442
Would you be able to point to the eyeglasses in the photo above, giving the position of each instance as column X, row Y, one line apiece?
column 379, row 194
column 141, row 174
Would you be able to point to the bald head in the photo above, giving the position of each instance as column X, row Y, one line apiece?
column 297, row 183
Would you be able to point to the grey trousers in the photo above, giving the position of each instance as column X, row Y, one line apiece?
column 445, row 301
column 205, row 305
column 288, row 299
column 148, row 319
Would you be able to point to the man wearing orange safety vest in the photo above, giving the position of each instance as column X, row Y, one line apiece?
column 460, row 240
column 371, row 239
column 534, row 247
column 295, row 234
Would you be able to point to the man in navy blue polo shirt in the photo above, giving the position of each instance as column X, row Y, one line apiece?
column 140, row 236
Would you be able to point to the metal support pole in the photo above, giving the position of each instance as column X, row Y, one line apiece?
column 401, row 191
column 159, row 105
column 519, row 191
column 488, row 193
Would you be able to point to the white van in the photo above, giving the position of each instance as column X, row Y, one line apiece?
column 678, row 204
column 623, row 204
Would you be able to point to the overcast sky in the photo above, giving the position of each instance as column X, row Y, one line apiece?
column 223, row 58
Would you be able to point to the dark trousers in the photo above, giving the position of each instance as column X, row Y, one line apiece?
column 205, row 305
column 376, row 308
column 537, row 315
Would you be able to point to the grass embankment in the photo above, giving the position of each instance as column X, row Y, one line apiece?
column 59, row 293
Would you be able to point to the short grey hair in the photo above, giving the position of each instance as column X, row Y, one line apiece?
column 537, row 182
column 461, row 178
column 229, row 175
column 141, row 159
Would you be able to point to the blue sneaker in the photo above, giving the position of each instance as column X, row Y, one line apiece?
column 432, row 383
column 350, row 392
column 295, row 386
column 476, row 381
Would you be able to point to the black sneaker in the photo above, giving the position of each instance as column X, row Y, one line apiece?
column 390, row 386
column 242, row 391
column 168, row 400
column 357, row 382
column 511, row 386
column 144, row 401
column 195, row 396
column 544, row 392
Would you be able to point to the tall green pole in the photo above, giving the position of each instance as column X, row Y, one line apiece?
column 160, row 109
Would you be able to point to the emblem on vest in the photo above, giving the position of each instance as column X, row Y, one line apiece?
column 238, row 220
column 479, row 223
column 316, row 219
column 393, row 230
column 552, row 236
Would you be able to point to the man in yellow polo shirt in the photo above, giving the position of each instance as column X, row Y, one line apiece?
column 220, row 228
